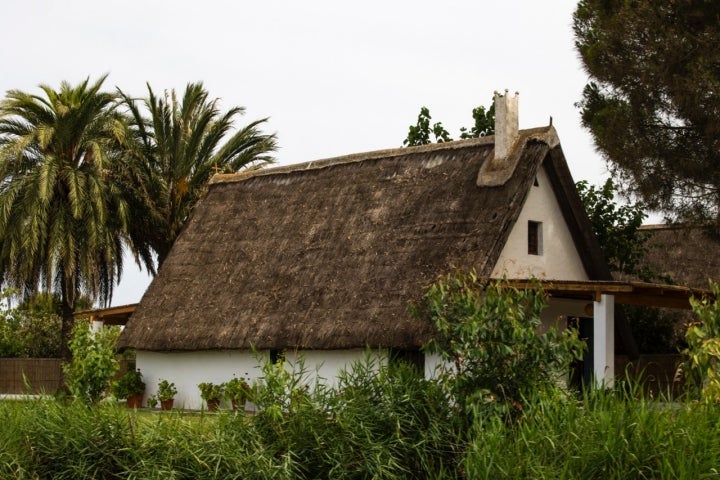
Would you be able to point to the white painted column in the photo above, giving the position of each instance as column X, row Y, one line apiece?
column 604, row 341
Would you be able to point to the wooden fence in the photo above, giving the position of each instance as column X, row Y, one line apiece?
column 657, row 373
column 42, row 375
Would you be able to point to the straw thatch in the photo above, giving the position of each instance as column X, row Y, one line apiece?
column 689, row 255
column 329, row 254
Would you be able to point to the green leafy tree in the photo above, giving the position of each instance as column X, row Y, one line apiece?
column 63, row 220
column 703, row 351
column 617, row 228
column 490, row 335
column 624, row 246
column 422, row 132
column 93, row 363
column 652, row 105
column 179, row 145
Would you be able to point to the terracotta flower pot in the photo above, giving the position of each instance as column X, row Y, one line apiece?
column 135, row 401
column 212, row 404
column 167, row 404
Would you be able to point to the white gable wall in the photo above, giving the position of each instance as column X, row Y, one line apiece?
column 560, row 259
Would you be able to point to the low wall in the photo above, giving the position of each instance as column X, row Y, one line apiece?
column 43, row 375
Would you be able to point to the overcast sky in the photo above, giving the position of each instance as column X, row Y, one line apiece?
column 334, row 77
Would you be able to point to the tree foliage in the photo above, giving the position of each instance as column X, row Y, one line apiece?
column 703, row 351
column 31, row 329
column 63, row 221
column 617, row 228
column 422, row 132
column 180, row 143
column 653, row 105
column 81, row 179
column 93, row 363
column 489, row 334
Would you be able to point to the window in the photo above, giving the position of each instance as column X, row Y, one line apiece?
column 535, row 239
column 277, row 356
column 413, row 358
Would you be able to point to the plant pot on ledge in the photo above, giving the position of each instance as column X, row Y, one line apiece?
column 237, row 390
column 166, row 394
column 135, row 400
column 130, row 387
column 211, row 393
column 213, row 404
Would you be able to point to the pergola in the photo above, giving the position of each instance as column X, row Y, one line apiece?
column 602, row 296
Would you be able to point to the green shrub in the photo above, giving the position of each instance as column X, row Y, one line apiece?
column 210, row 391
column 28, row 332
column 166, row 390
column 378, row 423
column 93, row 362
column 489, row 333
column 131, row 383
column 703, row 351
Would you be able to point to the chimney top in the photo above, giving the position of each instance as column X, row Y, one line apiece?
column 506, row 124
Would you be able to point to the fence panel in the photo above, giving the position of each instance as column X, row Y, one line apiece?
column 41, row 374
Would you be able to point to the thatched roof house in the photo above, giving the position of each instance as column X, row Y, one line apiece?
column 325, row 257
column 689, row 255
column 328, row 254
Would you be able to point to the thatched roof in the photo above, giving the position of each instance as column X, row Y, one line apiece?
column 688, row 255
column 329, row 254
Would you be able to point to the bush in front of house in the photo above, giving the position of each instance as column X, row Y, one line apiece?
column 379, row 423
column 93, row 363
column 488, row 335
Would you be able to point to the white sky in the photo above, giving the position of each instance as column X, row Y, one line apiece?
column 334, row 77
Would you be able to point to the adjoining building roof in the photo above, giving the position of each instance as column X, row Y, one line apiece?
column 329, row 254
column 689, row 255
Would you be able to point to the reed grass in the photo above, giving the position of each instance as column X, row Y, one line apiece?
column 378, row 423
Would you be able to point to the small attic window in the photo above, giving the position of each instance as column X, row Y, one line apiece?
column 536, row 183
column 535, row 239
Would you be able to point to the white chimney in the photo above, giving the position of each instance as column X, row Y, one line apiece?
column 506, row 124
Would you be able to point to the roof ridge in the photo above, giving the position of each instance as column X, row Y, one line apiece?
column 546, row 134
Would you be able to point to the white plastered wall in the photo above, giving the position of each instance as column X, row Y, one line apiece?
column 188, row 369
column 560, row 259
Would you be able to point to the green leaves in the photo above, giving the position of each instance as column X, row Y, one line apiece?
column 93, row 362
column 177, row 146
column 703, row 350
column 617, row 229
column 653, row 98
column 489, row 336
column 421, row 133
column 63, row 221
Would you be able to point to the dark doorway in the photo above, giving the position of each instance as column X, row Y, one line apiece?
column 581, row 373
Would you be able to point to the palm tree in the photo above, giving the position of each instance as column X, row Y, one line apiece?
column 63, row 221
column 179, row 147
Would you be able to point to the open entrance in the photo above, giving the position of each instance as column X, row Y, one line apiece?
column 581, row 371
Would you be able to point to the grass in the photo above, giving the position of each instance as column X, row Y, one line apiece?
column 392, row 425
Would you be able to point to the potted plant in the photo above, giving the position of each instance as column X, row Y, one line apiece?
column 166, row 394
column 237, row 390
column 211, row 393
column 152, row 401
column 130, row 387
